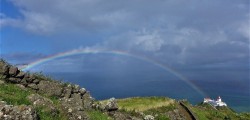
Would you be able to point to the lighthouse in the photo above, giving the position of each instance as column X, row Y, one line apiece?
column 219, row 99
column 215, row 103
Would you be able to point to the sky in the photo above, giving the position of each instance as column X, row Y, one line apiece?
column 193, row 34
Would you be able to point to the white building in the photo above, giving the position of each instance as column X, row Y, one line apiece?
column 215, row 103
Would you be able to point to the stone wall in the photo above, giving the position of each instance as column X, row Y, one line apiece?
column 73, row 99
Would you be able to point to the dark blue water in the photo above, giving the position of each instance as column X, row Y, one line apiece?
column 104, row 85
column 107, row 76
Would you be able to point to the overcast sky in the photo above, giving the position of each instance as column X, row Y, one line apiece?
column 186, row 33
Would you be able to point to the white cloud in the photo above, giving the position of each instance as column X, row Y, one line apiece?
column 149, row 42
column 39, row 23
column 244, row 29
column 145, row 40
column 6, row 21
column 168, row 30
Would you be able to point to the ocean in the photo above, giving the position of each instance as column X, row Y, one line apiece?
column 110, row 83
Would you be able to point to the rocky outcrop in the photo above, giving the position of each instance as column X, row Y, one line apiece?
column 23, row 112
column 50, row 88
column 111, row 105
column 73, row 99
column 13, row 71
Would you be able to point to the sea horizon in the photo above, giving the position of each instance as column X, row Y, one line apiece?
column 104, row 85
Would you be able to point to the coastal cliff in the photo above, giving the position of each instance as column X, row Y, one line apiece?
column 34, row 96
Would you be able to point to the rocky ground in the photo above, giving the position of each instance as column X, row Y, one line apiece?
column 33, row 96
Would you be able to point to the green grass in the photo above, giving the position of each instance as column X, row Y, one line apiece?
column 143, row 103
column 206, row 112
column 14, row 95
column 97, row 115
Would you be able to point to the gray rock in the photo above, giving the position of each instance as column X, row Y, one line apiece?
column 36, row 81
column 20, row 75
column 99, row 106
column 67, row 91
column 111, row 105
column 82, row 91
column 87, row 101
column 29, row 78
column 22, row 112
column 50, row 88
column 24, row 82
column 13, row 71
column 76, row 88
column 33, row 86
column 74, row 107
column 14, row 80
column 77, row 97
column 149, row 117
column 5, row 69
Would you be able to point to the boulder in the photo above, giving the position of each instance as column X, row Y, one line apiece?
column 50, row 88
column 21, row 75
column 33, row 86
column 13, row 71
column 77, row 97
column 76, row 88
column 149, row 117
column 29, row 78
column 67, row 91
column 82, row 91
column 24, row 82
column 36, row 81
column 5, row 69
column 74, row 107
column 14, row 80
column 111, row 105
column 87, row 101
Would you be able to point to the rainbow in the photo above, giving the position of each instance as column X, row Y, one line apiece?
column 124, row 53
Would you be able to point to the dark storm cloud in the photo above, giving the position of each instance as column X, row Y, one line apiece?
column 171, row 31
